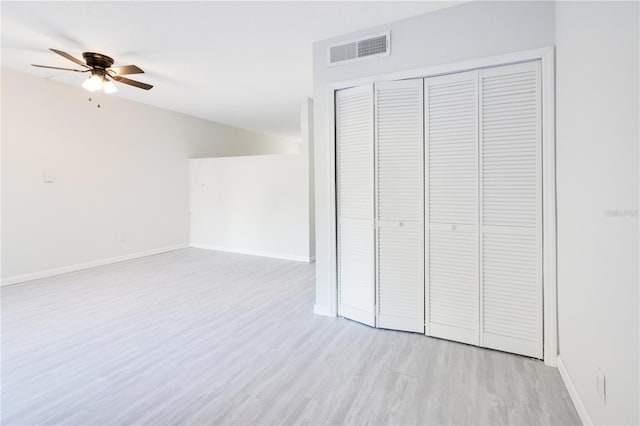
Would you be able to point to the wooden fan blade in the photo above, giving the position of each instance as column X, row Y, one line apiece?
column 69, row 57
column 58, row 68
column 130, row 82
column 126, row 69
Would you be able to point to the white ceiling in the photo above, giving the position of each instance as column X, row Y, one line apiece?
column 245, row 64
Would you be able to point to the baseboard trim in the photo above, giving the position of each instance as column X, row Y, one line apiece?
column 322, row 310
column 573, row 393
column 87, row 265
column 255, row 252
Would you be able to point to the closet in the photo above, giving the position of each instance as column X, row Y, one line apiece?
column 439, row 206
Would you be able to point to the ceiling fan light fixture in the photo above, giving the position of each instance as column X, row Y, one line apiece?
column 109, row 87
column 103, row 74
column 93, row 83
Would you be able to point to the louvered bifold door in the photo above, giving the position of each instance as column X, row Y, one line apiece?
column 355, row 202
column 451, row 123
column 399, row 204
column 511, row 209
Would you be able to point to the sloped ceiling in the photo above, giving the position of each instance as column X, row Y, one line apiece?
column 246, row 64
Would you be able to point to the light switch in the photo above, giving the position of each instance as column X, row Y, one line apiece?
column 49, row 176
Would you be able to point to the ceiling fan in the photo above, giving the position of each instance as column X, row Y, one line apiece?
column 103, row 73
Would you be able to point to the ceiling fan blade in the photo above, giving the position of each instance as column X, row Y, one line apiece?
column 126, row 69
column 130, row 82
column 69, row 57
column 58, row 68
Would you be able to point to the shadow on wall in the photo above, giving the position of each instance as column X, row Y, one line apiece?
column 243, row 148
column 240, row 143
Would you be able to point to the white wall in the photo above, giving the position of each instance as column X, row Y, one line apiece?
column 255, row 204
column 462, row 32
column 120, row 168
column 597, row 181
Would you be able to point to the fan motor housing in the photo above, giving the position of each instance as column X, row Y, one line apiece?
column 97, row 60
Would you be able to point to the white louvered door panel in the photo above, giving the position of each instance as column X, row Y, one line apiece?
column 399, row 204
column 355, row 200
column 511, row 209
column 451, row 123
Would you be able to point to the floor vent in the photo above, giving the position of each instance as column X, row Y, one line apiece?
column 373, row 46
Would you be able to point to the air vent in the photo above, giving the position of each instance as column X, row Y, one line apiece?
column 344, row 52
column 373, row 46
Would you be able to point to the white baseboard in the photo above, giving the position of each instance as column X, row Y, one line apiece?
column 255, row 252
column 573, row 393
column 72, row 268
column 322, row 310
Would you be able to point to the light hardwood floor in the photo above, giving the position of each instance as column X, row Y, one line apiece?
column 201, row 337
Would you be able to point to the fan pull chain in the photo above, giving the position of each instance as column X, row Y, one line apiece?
column 92, row 100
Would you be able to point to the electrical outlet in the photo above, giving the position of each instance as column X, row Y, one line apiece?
column 122, row 236
column 601, row 386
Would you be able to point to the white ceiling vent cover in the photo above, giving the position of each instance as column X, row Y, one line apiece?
column 372, row 46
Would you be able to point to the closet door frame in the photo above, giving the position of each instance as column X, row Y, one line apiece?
column 546, row 56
